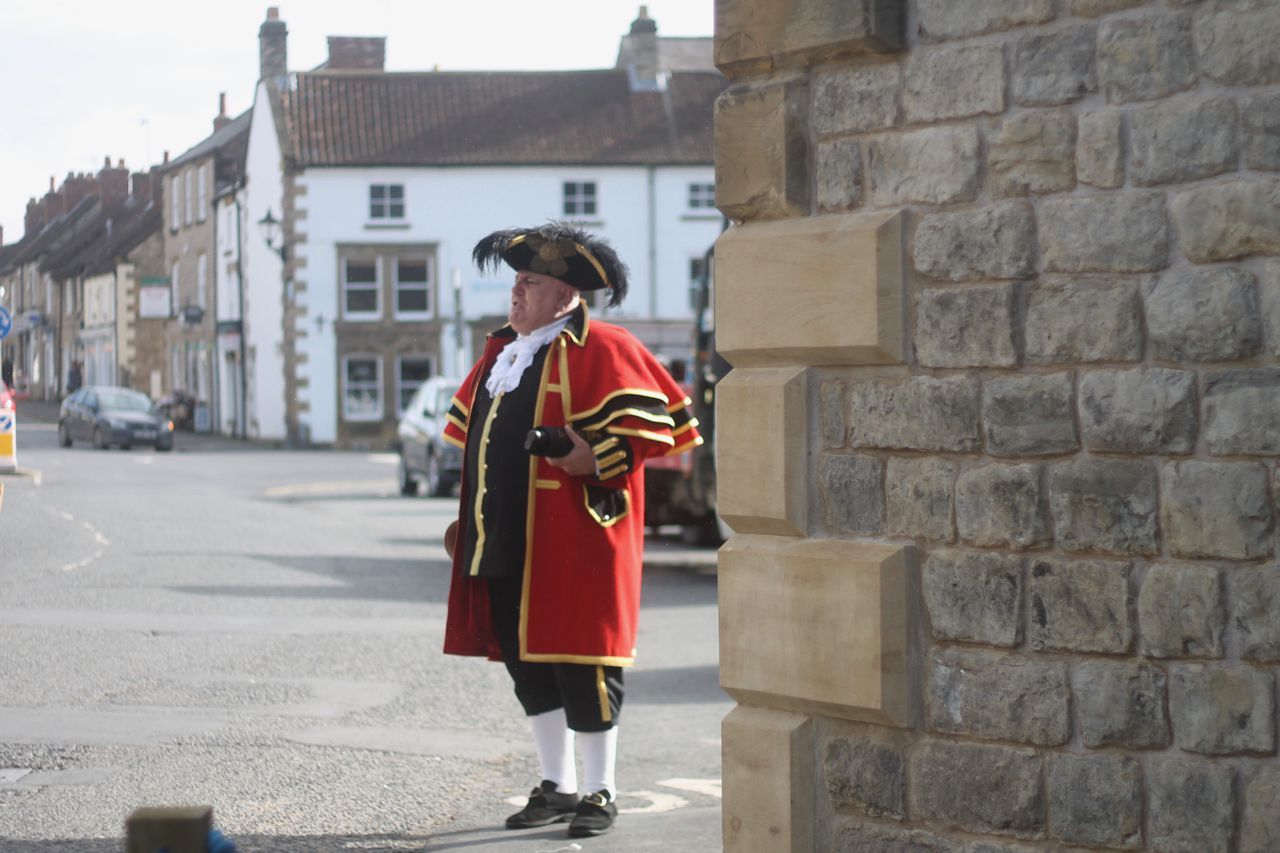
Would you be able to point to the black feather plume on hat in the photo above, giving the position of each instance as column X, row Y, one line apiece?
column 576, row 257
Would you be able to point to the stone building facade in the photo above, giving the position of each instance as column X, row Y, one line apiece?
column 1002, row 299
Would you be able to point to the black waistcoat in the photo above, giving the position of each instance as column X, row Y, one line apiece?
column 498, row 467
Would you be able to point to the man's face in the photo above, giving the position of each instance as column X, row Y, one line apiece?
column 536, row 300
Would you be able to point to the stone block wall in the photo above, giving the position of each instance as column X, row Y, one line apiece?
column 1082, row 442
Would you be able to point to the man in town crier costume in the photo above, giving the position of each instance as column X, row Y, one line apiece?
column 547, row 560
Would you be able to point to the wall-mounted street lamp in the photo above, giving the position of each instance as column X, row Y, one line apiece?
column 272, row 233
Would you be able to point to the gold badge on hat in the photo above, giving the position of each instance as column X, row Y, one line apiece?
column 549, row 255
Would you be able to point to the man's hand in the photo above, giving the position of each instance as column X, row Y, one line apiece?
column 580, row 462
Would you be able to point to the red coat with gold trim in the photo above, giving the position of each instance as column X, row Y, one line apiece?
column 584, row 536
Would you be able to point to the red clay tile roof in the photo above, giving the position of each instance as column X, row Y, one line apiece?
column 498, row 118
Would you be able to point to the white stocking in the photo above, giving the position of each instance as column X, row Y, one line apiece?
column 599, row 754
column 554, row 742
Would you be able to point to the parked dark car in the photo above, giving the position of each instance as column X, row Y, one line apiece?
column 107, row 415
column 425, row 457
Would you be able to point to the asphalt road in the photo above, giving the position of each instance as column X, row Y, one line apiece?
column 259, row 630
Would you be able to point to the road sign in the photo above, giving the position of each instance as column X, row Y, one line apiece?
column 6, row 321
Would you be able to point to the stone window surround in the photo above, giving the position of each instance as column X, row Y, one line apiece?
column 386, row 286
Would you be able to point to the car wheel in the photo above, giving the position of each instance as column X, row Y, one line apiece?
column 164, row 446
column 408, row 485
column 100, row 439
column 64, row 435
column 438, row 485
column 126, row 447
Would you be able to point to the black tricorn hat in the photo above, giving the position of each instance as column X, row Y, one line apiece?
column 579, row 259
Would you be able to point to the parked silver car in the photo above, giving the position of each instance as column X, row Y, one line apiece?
column 108, row 414
column 425, row 457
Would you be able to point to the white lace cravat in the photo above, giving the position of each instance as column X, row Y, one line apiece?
column 518, row 354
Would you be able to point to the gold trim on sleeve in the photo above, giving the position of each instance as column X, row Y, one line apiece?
column 688, row 445
column 661, row 438
column 639, row 392
column 607, row 444
column 693, row 422
column 663, row 420
column 457, row 402
column 548, row 484
column 458, row 444
column 675, row 407
column 459, row 424
column 612, row 472
column 611, row 459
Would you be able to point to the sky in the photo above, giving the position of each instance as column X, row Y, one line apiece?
column 83, row 80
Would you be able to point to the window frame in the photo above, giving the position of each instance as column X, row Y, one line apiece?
column 376, row 386
column 175, row 203
column 396, row 287
column 187, row 196
column 202, row 192
column 400, row 384
column 202, row 280
column 381, row 210
column 701, row 196
column 345, row 287
column 575, row 198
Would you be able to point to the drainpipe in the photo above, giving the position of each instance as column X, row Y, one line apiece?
column 652, row 181
column 244, row 326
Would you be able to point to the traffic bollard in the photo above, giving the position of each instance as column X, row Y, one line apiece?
column 8, row 442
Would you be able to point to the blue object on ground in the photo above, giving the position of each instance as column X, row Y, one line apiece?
column 219, row 843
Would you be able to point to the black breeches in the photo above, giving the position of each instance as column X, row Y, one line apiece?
column 590, row 694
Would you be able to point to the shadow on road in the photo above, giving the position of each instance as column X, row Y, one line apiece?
column 675, row 685
column 365, row 578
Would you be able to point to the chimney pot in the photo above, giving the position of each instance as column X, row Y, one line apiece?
column 273, row 13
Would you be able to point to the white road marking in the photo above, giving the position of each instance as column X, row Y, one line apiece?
column 658, row 803
column 97, row 537
column 569, row 848
column 362, row 487
column 384, row 458
column 706, row 787
column 102, row 540
column 144, row 460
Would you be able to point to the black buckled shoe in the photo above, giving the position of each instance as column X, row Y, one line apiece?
column 596, row 814
column 546, row 805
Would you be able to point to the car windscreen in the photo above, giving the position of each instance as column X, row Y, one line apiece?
column 129, row 401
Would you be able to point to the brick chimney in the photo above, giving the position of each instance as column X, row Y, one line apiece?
column 33, row 220
column 221, row 120
column 140, row 186
column 113, row 182
column 273, row 60
column 54, row 202
column 357, row 53
column 639, row 53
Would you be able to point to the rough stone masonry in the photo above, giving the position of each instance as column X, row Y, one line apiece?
column 1082, row 444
